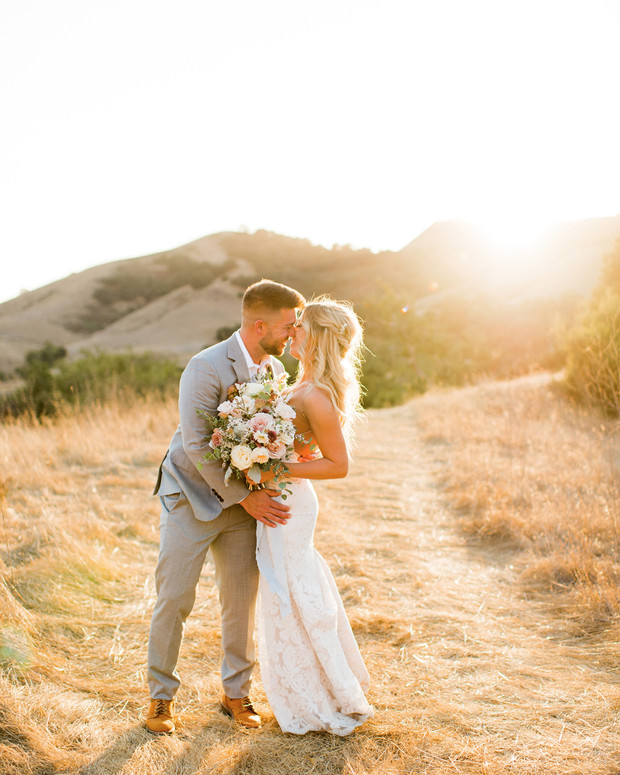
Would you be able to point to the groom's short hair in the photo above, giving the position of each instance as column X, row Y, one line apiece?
column 268, row 296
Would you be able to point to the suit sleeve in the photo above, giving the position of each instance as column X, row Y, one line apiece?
column 200, row 389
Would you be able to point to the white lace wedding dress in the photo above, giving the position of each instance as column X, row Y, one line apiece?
column 311, row 667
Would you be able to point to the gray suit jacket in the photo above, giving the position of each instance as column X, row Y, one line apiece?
column 204, row 385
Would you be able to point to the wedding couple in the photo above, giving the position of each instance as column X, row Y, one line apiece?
column 311, row 668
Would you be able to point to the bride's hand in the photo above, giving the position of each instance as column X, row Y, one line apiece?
column 307, row 451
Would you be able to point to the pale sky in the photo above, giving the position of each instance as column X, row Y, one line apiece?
column 134, row 126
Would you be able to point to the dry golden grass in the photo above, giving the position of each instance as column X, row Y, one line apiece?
column 525, row 467
column 469, row 674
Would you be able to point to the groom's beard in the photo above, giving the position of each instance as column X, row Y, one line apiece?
column 273, row 346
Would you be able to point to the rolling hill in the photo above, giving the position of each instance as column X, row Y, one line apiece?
column 175, row 302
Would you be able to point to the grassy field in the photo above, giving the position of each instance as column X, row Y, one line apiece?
column 475, row 546
column 530, row 472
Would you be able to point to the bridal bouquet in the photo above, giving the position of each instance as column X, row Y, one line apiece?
column 253, row 431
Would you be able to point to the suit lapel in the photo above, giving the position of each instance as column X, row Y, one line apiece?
column 237, row 357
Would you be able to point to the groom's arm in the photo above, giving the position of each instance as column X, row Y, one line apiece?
column 200, row 388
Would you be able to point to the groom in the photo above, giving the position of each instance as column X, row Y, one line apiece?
column 199, row 511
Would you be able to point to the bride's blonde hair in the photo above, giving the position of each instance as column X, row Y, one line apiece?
column 331, row 355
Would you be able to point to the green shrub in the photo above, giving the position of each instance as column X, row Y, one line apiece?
column 37, row 396
column 98, row 376
column 407, row 351
column 593, row 355
column 53, row 382
column 593, row 344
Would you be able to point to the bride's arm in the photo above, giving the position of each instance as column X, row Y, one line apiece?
column 326, row 430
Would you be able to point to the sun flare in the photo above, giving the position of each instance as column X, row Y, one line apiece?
column 512, row 234
column 514, row 246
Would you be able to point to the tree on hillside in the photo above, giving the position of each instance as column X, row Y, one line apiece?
column 38, row 394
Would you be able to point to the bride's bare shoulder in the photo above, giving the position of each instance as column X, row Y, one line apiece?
column 317, row 398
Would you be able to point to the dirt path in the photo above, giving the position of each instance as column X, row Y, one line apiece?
column 495, row 685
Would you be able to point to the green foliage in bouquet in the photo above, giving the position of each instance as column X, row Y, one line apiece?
column 253, row 432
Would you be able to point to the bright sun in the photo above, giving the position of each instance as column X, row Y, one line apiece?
column 513, row 243
column 510, row 234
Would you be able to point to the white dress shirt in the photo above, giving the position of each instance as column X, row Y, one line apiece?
column 253, row 368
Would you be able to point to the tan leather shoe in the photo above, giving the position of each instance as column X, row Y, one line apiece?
column 160, row 717
column 241, row 711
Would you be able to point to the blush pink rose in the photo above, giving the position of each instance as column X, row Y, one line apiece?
column 216, row 438
column 261, row 422
column 277, row 450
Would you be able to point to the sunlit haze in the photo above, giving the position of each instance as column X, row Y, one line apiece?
column 132, row 127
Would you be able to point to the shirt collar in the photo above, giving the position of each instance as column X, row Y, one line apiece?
column 252, row 366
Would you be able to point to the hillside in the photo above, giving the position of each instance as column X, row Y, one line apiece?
column 52, row 312
column 565, row 259
column 474, row 543
column 175, row 302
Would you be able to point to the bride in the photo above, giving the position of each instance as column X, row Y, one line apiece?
column 311, row 667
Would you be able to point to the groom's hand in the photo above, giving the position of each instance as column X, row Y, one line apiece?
column 261, row 505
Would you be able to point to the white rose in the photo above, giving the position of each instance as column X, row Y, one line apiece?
column 254, row 388
column 260, row 455
column 225, row 408
column 241, row 457
column 284, row 411
column 287, row 437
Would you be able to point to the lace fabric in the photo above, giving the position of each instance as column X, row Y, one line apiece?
column 311, row 667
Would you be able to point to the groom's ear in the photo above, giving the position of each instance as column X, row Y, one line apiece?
column 259, row 327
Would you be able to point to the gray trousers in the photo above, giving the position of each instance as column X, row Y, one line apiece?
column 184, row 541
